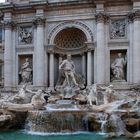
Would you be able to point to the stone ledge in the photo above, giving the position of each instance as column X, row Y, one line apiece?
column 122, row 85
column 118, row 42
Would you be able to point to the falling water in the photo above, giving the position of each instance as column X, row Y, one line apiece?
column 119, row 126
column 103, row 121
column 56, row 121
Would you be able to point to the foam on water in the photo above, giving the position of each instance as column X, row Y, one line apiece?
column 55, row 133
column 61, row 107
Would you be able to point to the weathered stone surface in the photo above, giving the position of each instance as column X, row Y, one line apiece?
column 93, row 122
column 53, row 99
column 17, row 107
column 132, row 124
column 12, row 120
column 80, row 98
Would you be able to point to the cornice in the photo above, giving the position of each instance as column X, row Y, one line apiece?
column 135, row 0
column 7, row 7
column 42, row 4
column 49, row 3
column 100, row 1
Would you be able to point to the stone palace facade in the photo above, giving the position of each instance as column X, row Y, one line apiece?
column 102, row 36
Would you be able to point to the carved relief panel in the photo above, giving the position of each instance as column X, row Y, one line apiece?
column 25, row 35
column 117, row 29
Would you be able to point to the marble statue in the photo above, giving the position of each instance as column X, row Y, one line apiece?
column 108, row 94
column 26, row 96
column 117, row 68
column 38, row 99
column 69, row 82
column 92, row 96
column 22, row 97
column 67, row 75
column 26, row 72
column 67, row 68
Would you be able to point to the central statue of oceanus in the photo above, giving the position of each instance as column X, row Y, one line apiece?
column 67, row 75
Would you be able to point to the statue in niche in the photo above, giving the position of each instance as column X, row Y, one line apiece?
column 118, row 68
column 68, row 76
column 117, row 29
column 68, row 68
column 26, row 72
column 25, row 35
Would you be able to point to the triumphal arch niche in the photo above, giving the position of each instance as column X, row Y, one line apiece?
column 76, row 39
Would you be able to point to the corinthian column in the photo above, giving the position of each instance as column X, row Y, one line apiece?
column 83, row 65
column 39, row 53
column 89, row 63
column 130, row 50
column 51, row 69
column 8, row 61
column 89, row 67
column 100, row 67
column 136, row 47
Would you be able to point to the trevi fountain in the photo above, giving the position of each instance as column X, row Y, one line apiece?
column 69, row 69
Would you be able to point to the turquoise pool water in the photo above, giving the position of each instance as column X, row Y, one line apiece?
column 19, row 135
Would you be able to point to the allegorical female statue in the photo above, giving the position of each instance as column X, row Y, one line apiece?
column 26, row 72
column 118, row 68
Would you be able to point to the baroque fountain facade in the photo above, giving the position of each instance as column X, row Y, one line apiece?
column 70, row 65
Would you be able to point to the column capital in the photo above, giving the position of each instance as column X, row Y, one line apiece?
column 51, row 48
column 136, row 15
column 101, row 17
column 61, row 55
column 130, row 17
column 82, row 53
column 39, row 21
column 8, row 24
column 89, row 46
